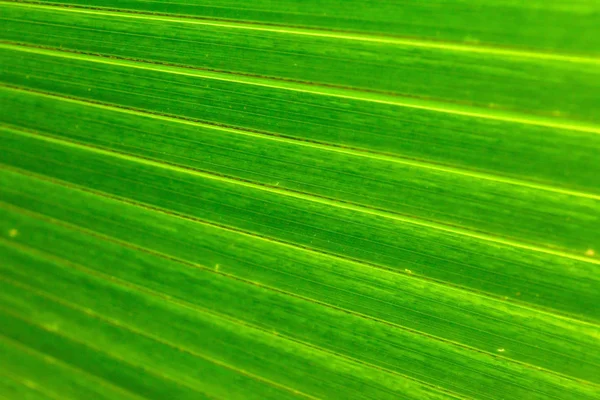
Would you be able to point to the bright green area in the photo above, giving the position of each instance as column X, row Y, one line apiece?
column 550, row 25
column 460, row 370
column 450, row 198
column 562, row 157
column 300, row 199
column 192, row 267
column 561, row 283
column 187, row 334
column 43, row 376
column 532, row 84
column 17, row 388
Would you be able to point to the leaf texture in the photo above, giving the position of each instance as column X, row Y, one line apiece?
column 318, row 200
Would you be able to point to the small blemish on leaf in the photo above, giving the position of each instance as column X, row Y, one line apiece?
column 13, row 233
column 590, row 253
column 31, row 384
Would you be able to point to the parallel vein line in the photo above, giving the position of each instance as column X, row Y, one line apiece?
column 123, row 283
column 192, row 264
column 54, row 360
column 175, row 300
column 340, row 203
column 195, row 308
column 321, row 33
column 155, row 253
column 308, row 197
column 87, row 343
column 304, row 87
column 296, row 246
column 185, row 304
column 324, row 146
column 28, row 383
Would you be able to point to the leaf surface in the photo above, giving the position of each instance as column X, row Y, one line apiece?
column 289, row 200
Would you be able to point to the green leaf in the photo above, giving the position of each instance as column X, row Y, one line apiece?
column 512, row 80
column 299, row 200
